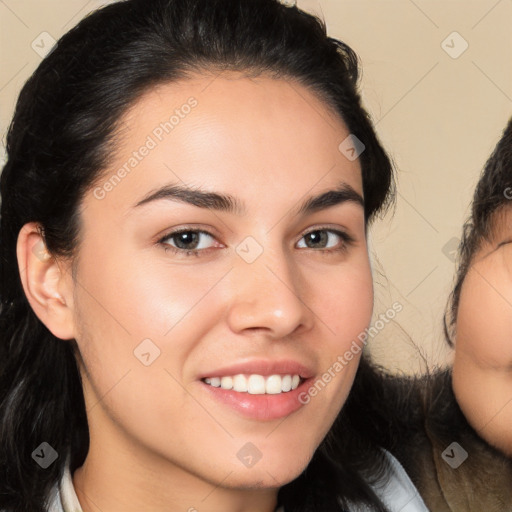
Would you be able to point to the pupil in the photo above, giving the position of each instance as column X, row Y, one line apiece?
column 317, row 237
column 187, row 238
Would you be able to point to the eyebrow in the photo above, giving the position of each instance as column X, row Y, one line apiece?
column 229, row 204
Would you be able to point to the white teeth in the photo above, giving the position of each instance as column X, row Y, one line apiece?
column 215, row 382
column 226, row 383
column 273, row 385
column 286, row 383
column 240, row 383
column 256, row 384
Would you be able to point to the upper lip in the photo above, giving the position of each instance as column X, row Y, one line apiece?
column 263, row 367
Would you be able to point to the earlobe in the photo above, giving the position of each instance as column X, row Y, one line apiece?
column 46, row 283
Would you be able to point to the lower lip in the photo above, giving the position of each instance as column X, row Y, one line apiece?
column 260, row 407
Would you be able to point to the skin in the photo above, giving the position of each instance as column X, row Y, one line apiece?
column 158, row 441
column 482, row 372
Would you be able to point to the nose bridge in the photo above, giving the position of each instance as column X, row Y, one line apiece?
column 267, row 289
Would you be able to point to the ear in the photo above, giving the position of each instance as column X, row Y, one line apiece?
column 47, row 282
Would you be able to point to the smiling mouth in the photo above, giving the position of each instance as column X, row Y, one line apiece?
column 255, row 384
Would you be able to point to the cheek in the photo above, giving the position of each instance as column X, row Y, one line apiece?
column 343, row 303
column 346, row 301
column 138, row 330
column 484, row 319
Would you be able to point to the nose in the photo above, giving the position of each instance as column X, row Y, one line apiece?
column 268, row 295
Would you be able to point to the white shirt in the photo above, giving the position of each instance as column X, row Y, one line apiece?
column 397, row 492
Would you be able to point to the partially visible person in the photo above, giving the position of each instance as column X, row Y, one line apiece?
column 452, row 429
column 482, row 304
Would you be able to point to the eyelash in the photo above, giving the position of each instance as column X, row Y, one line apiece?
column 346, row 241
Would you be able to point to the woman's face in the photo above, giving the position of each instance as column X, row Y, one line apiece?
column 269, row 277
column 482, row 372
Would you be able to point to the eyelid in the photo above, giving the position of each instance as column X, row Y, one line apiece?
column 343, row 232
column 187, row 229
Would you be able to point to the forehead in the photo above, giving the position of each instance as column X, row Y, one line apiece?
column 226, row 130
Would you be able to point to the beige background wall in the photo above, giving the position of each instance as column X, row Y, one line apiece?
column 439, row 108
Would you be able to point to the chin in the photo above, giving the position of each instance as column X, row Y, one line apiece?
column 277, row 471
column 264, row 478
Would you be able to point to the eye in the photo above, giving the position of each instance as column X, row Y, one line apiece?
column 330, row 239
column 187, row 241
